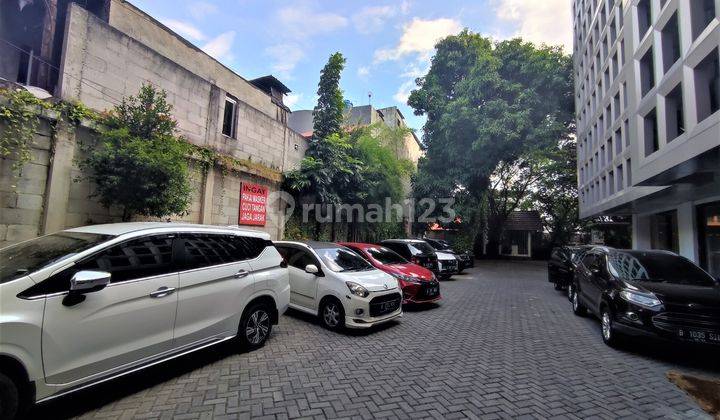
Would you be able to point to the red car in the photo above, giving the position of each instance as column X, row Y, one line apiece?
column 418, row 284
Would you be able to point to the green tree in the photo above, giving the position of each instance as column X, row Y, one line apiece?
column 138, row 163
column 486, row 103
column 328, row 113
column 328, row 171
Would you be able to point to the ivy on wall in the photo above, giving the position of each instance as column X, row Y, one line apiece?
column 19, row 113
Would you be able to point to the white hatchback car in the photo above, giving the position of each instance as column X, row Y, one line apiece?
column 334, row 283
column 86, row 305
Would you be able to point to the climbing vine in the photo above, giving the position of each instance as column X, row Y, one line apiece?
column 20, row 111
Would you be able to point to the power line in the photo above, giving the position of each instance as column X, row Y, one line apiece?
column 88, row 83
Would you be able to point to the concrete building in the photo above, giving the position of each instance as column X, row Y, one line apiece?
column 647, row 93
column 99, row 51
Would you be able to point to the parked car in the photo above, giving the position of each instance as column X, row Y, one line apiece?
column 416, row 251
column 418, row 284
column 465, row 259
column 84, row 305
column 421, row 253
column 648, row 293
column 337, row 285
column 562, row 263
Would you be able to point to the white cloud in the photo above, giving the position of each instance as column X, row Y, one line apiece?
column 405, row 6
column 184, row 29
column 303, row 21
column 548, row 21
column 284, row 58
column 220, row 47
column 419, row 37
column 403, row 92
column 292, row 99
column 363, row 71
column 200, row 9
column 371, row 19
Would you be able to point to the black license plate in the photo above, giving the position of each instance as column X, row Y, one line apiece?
column 388, row 306
column 431, row 291
column 699, row 336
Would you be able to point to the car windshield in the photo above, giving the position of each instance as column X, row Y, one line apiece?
column 661, row 268
column 30, row 256
column 439, row 245
column 421, row 248
column 386, row 256
column 341, row 259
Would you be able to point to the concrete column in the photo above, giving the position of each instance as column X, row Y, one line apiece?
column 207, row 196
column 687, row 232
column 640, row 232
column 57, row 189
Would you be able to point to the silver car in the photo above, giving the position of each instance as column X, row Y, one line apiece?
column 86, row 305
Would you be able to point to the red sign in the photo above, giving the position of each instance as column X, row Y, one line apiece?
column 253, row 200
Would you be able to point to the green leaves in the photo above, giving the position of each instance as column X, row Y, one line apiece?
column 490, row 102
column 328, row 113
column 138, row 163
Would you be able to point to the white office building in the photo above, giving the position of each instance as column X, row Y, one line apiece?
column 647, row 94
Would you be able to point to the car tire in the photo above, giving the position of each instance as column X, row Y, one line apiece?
column 608, row 332
column 9, row 398
column 255, row 327
column 558, row 286
column 570, row 291
column 577, row 306
column 332, row 314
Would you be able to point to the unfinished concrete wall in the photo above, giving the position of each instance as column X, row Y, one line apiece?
column 102, row 64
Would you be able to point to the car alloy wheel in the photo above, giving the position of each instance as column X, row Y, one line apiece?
column 606, row 326
column 609, row 335
column 331, row 314
column 257, row 327
column 578, row 308
column 570, row 292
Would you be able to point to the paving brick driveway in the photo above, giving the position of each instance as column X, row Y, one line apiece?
column 501, row 344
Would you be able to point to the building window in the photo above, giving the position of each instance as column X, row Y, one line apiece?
column 647, row 73
column 650, row 134
column 618, row 141
column 709, row 237
column 628, row 167
column 670, row 43
column 229, row 117
column 674, row 116
column 644, row 17
column 707, row 85
column 611, row 183
column 626, row 133
column 702, row 13
column 609, row 151
column 619, row 172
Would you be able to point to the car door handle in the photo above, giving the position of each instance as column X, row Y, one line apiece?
column 162, row 292
column 242, row 273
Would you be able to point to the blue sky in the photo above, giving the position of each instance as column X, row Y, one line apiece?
column 387, row 44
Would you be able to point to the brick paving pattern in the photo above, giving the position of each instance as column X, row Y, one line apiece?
column 501, row 344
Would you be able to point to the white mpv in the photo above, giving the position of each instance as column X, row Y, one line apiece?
column 86, row 305
column 337, row 285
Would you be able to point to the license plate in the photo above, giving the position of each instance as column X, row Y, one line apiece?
column 431, row 291
column 700, row 336
column 427, row 265
column 387, row 306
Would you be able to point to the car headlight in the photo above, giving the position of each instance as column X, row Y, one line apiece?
column 648, row 300
column 406, row 278
column 357, row 289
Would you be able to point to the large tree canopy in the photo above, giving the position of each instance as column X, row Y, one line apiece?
column 489, row 102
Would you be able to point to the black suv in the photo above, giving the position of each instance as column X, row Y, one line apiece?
column 416, row 251
column 465, row 259
column 647, row 293
column 562, row 263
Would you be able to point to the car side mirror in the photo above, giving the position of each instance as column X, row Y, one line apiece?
column 88, row 281
column 311, row 269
